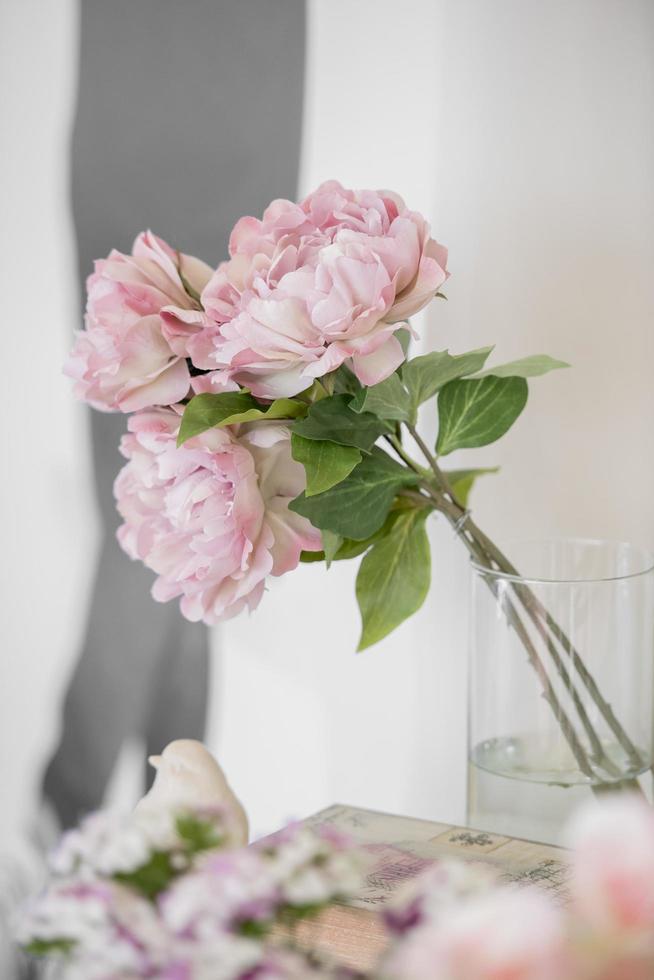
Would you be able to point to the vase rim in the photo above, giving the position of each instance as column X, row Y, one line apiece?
column 646, row 564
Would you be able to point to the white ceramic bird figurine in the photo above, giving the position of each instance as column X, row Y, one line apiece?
column 189, row 776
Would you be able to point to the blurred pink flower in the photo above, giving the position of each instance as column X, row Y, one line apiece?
column 612, row 882
column 211, row 518
column 122, row 360
column 312, row 285
column 442, row 885
column 509, row 934
column 227, row 889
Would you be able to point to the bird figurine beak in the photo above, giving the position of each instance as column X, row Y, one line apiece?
column 155, row 761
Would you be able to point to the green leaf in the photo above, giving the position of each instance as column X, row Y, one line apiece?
column 350, row 548
column 207, row 411
column 325, row 463
column 404, row 337
column 394, row 577
column 345, row 381
column 188, row 288
column 198, row 834
column 388, row 400
column 332, row 419
column 358, row 506
column 314, row 393
column 308, row 557
column 331, row 543
column 253, row 929
column 46, row 947
column 526, row 367
column 462, row 481
column 290, row 914
column 151, row 878
column 476, row 412
column 425, row 375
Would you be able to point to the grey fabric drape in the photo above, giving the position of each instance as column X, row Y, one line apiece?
column 189, row 115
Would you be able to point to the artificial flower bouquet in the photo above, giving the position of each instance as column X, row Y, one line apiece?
column 273, row 418
column 164, row 896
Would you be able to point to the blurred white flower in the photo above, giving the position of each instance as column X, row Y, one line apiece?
column 107, row 843
column 108, row 927
column 120, row 910
column 314, row 866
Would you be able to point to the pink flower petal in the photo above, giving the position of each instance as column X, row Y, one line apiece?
column 211, row 517
column 370, row 369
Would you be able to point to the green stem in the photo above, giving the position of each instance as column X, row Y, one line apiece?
column 417, row 498
column 538, row 615
column 511, row 613
column 549, row 693
column 404, row 456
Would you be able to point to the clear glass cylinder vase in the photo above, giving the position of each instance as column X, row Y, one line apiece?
column 561, row 685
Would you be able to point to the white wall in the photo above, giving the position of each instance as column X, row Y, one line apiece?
column 48, row 528
column 524, row 130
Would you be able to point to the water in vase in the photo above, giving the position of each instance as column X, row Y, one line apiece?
column 513, row 789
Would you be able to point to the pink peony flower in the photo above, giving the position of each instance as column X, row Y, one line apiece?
column 503, row 935
column 613, row 866
column 310, row 286
column 123, row 361
column 211, row 518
